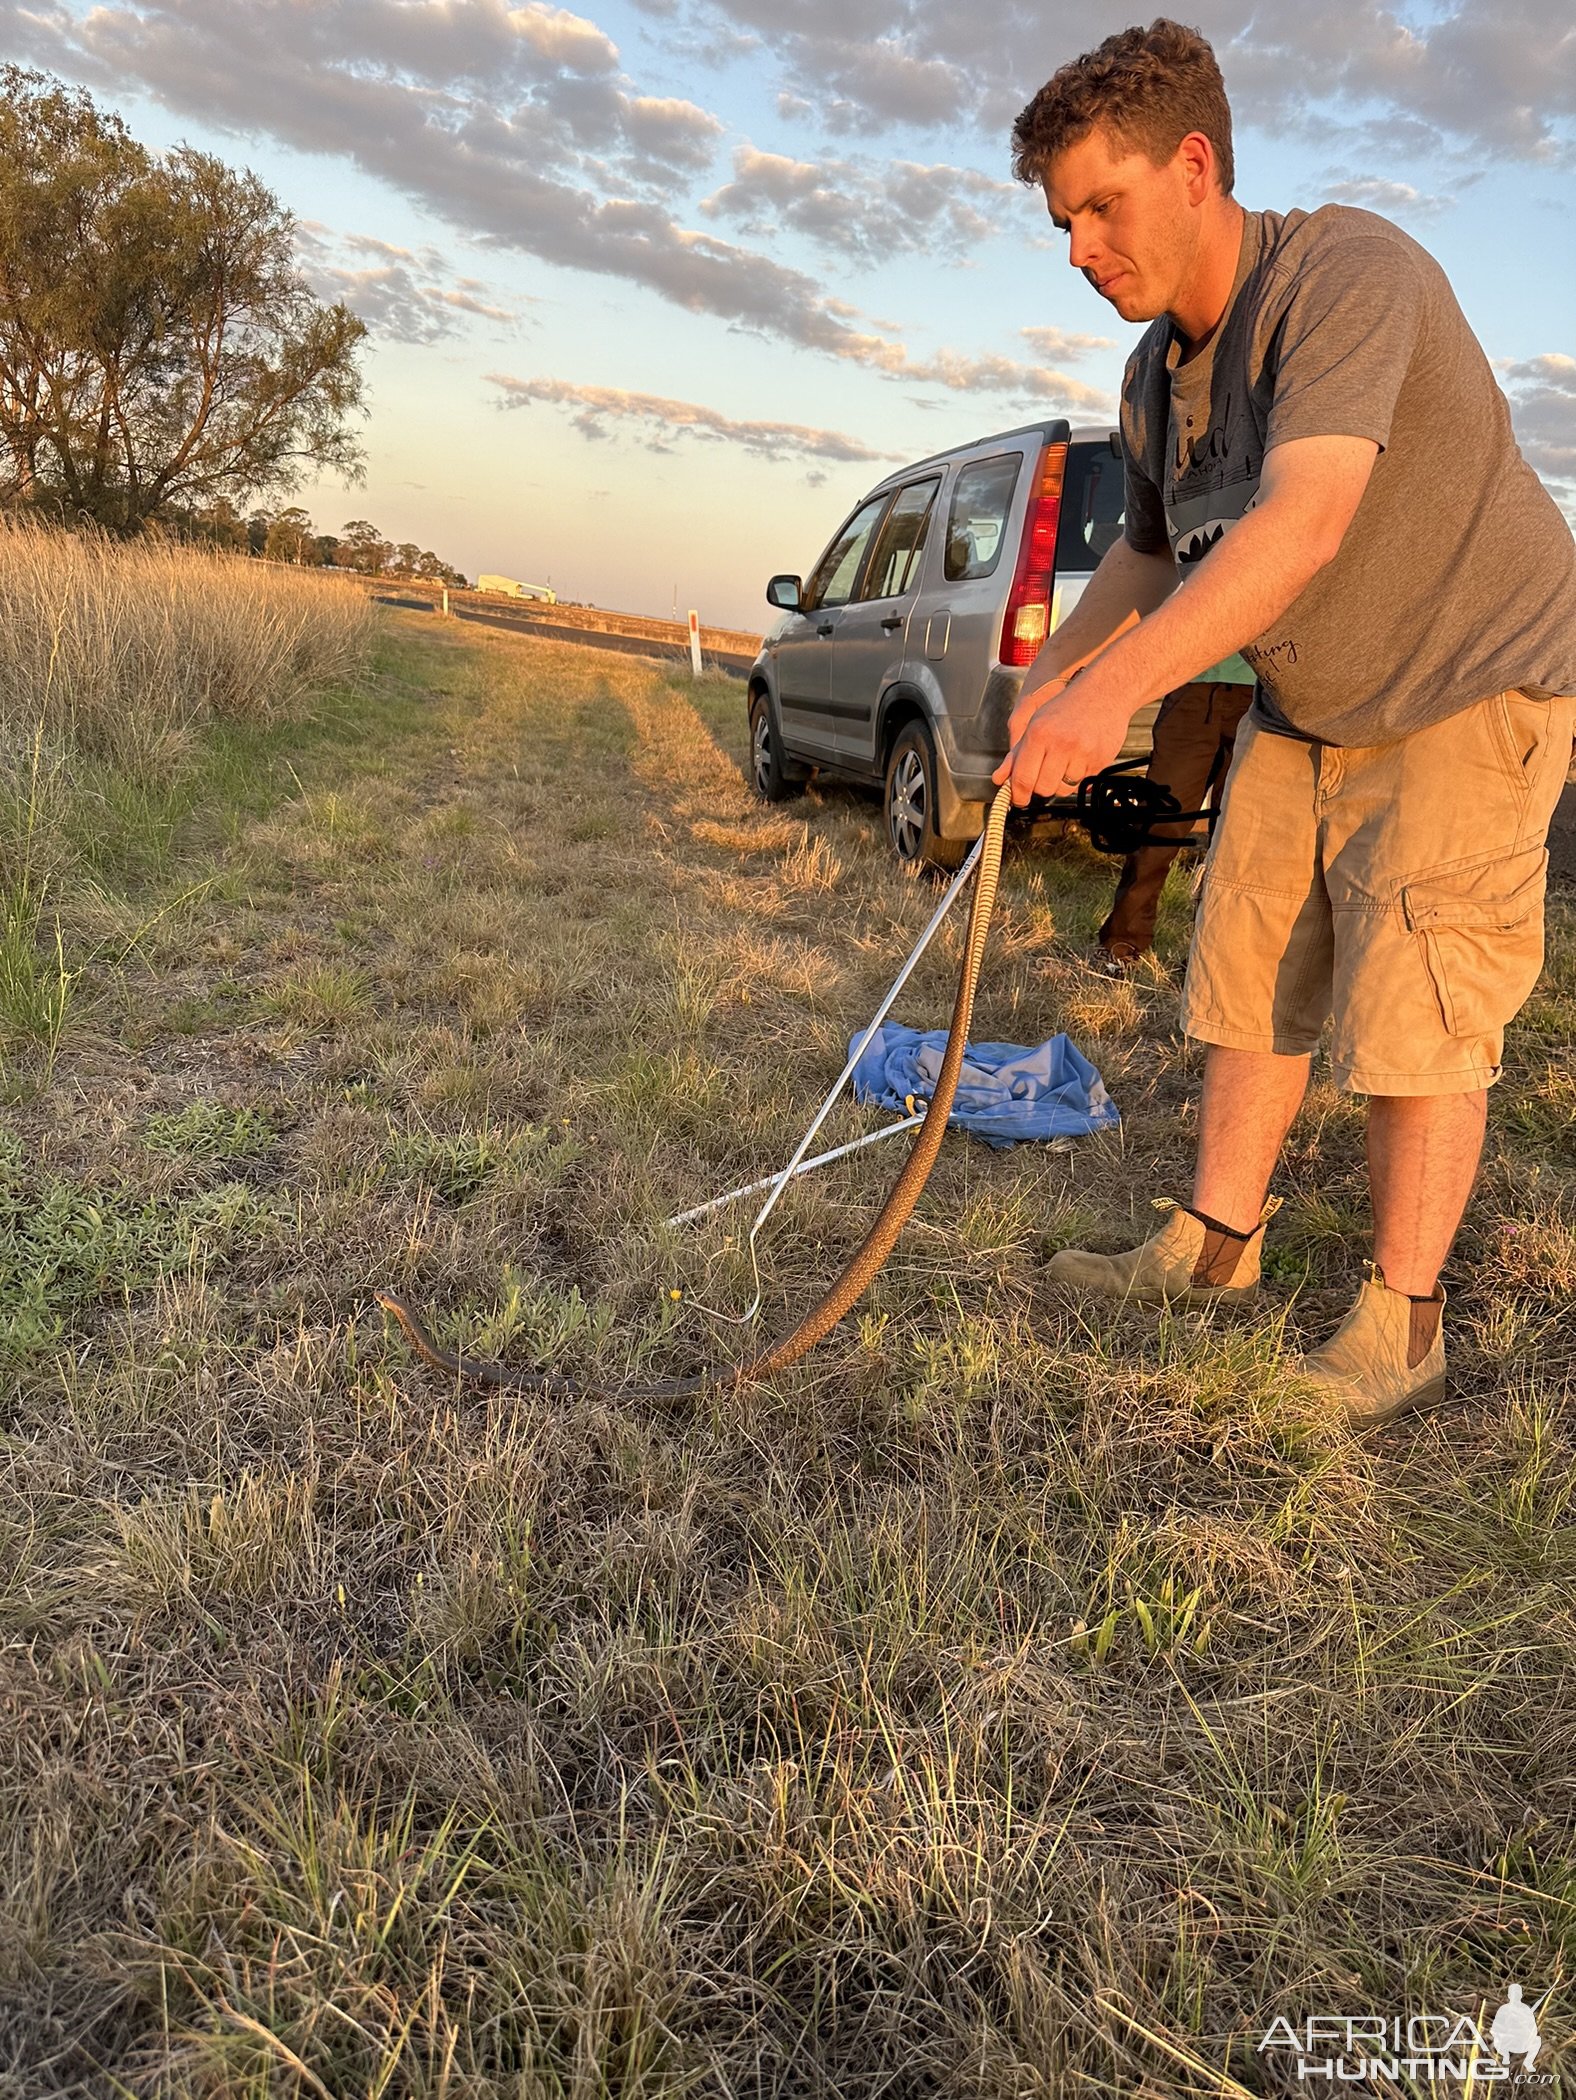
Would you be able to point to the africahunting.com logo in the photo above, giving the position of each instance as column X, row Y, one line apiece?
column 1349, row 2049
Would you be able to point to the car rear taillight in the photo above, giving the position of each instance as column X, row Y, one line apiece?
column 1028, row 617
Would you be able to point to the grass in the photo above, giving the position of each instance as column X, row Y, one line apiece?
column 122, row 648
column 1018, row 1699
column 115, row 658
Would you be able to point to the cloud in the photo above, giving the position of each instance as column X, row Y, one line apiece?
column 1040, row 384
column 1056, row 342
column 514, row 125
column 1542, row 396
column 899, row 88
column 657, row 421
column 476, row 73
column 1396, row 200
column 864, row 210
column 516, row 131
column 407, row 295
column 1497, row 74
column 666, row 133
column 710, row 44
column 861, row 62
column 442, row 41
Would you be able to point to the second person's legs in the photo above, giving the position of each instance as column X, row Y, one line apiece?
column 1194, row 735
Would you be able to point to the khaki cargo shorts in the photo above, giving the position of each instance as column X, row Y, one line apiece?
column 1397, row 888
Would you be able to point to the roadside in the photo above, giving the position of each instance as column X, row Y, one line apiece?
column 626, row 634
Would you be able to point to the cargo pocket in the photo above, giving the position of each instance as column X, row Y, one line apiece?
column 1481, row 932
column 1519, row 725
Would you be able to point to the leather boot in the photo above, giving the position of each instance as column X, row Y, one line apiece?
column 1387, row 1356
column 1185, row 1263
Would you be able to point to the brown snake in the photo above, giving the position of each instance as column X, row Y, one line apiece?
column 867, row 1259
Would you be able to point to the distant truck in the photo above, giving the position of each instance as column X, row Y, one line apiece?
column 507, row 587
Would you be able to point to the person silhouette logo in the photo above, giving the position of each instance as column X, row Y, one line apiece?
column 1514, row 2029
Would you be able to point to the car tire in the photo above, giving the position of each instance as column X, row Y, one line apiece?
column 772, row 778
column 910, row 799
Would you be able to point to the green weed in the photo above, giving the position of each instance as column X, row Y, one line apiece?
column 65, row 1247
column 37, row 988
column 208, row 1134
column 456, row 1165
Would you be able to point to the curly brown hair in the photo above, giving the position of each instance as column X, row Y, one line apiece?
column 1147, row 87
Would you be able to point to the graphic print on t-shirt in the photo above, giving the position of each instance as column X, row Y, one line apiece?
column 1196, row 543
column 1207, row 491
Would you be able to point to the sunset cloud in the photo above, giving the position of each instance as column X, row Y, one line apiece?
column 800, row 209
column 524, row 137
column 1392, row 200
column 865, row 209
column 1542, row 396
column 407, row 295
column 1497, row 74
column 657, row 422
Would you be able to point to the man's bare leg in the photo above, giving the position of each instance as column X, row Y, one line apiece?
column 1249, row 1100
column 1423, row 1153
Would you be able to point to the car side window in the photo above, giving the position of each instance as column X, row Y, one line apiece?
column 1092, row 501
column 977, row 517
column 894, row 566
column 833, row 581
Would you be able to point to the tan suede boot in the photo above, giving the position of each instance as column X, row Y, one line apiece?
column 1184, row 1263
column 1387, row 1356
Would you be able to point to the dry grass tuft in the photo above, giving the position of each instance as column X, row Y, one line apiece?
column 113, row 658
column 119, row 649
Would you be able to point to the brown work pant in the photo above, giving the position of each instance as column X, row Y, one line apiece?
column 1194, row 736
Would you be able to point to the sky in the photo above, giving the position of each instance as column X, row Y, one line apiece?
column 656, row 292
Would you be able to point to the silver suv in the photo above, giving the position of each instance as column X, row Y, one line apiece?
column 899, row 661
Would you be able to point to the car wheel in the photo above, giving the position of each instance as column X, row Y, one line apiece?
column 771, row 779
column 912, row 801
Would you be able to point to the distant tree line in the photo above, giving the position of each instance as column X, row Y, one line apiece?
column 163, row 362
column 289, row 535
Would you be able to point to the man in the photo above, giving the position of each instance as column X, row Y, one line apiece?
column 1194, row 736
column 1313, row 437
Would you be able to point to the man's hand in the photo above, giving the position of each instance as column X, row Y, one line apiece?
column 1060, row 734
column 1032, row 696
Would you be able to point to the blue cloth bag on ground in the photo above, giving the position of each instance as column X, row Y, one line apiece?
column 1006, row 1093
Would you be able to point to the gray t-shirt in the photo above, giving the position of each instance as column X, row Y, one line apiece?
column 1456, row 577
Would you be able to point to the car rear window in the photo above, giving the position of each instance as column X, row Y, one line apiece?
column 1091, row 516
column 977, row 519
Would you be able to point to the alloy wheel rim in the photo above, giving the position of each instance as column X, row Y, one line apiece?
column 761, row 747
column 906, row 805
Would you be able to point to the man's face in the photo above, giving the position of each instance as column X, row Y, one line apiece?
column 1133, row 228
